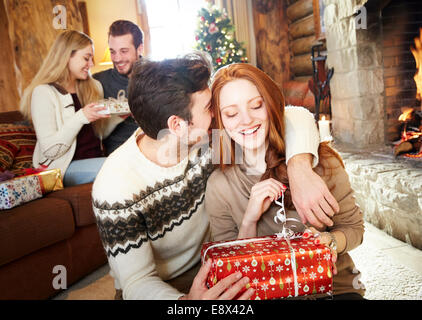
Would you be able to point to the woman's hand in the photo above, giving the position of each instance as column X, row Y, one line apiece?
column 322, row 238
column 262, row 195
column 125, row 116
column 225, row 289
column 91, row 112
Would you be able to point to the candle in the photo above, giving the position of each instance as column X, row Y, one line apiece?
column 324, row 129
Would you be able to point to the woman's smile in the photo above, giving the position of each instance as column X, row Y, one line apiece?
column 251, row 131
column 244, row 113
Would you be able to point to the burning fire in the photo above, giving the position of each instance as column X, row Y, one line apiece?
column 406, row 115
column 417, row 54
column 411, row 137
column 408, row 136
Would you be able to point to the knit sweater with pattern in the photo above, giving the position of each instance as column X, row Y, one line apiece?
column 152, row 219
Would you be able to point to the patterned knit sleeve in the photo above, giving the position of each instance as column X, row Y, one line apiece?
column 123, row 231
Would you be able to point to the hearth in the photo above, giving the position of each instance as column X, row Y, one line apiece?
column 401, row 33
column 372, row 87
column 375, row 69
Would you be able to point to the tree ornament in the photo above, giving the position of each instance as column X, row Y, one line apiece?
column 213, row 28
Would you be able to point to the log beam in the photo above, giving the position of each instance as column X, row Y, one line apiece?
column 302, row 65
column 302, row 28
column 299, row 10
column 304, row 45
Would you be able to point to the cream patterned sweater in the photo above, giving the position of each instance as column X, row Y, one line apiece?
column 152, row 220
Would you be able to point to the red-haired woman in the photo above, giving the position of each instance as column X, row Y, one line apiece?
column 249, row 110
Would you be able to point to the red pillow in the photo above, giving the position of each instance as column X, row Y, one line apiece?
column 295, row 92
column 24, row 137
column 8, row 151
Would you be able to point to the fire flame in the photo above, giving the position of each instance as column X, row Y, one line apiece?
column 407, row 112
column 417, row 54
column 406, row 115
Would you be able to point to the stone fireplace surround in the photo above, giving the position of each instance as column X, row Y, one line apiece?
column 388, row 189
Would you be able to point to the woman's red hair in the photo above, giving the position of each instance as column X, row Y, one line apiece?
column 270, row 92
column 274, row 101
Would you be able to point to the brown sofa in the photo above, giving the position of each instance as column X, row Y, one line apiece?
column 58, row 229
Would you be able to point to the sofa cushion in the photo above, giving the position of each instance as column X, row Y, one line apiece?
column 80, row 199
column 8, row 151
column 23, row 136
column 11, row 116
column 33, row 226
column 31, row 277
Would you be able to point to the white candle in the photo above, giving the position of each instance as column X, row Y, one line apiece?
column 324, row 129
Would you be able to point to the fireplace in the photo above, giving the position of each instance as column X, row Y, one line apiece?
column 374, row 69
column 372, row 86
column 401, row 34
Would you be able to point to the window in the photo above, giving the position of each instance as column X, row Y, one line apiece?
column 172, row 26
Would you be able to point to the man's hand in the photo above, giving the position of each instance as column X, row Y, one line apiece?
column 225, row 289
column 310, row 195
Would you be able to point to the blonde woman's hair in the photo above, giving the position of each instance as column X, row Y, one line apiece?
column 54, row 69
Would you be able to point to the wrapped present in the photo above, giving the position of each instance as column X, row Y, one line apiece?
column 119, row 106
column 29, row 187
column 278, row 267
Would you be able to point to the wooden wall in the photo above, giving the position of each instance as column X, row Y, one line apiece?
column 284, row 38
column 272, row 40
column 302, row 36
column 9, row 96
column 26, row 34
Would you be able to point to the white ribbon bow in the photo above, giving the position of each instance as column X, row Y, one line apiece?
column 121, row 96
column 281, row 217
column 287, row 234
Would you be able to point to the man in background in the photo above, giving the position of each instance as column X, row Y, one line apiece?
column 125, row 40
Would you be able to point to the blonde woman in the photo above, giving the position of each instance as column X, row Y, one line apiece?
column 61, row 102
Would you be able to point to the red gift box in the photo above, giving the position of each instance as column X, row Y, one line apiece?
column 276, row 267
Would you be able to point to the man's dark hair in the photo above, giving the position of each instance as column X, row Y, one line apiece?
column 159, row 89
column 122, row 27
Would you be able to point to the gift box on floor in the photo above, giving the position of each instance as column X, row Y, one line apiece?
column 276, row 267
column 26, row 188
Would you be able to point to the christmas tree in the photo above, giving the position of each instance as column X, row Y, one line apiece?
column 215, row 35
